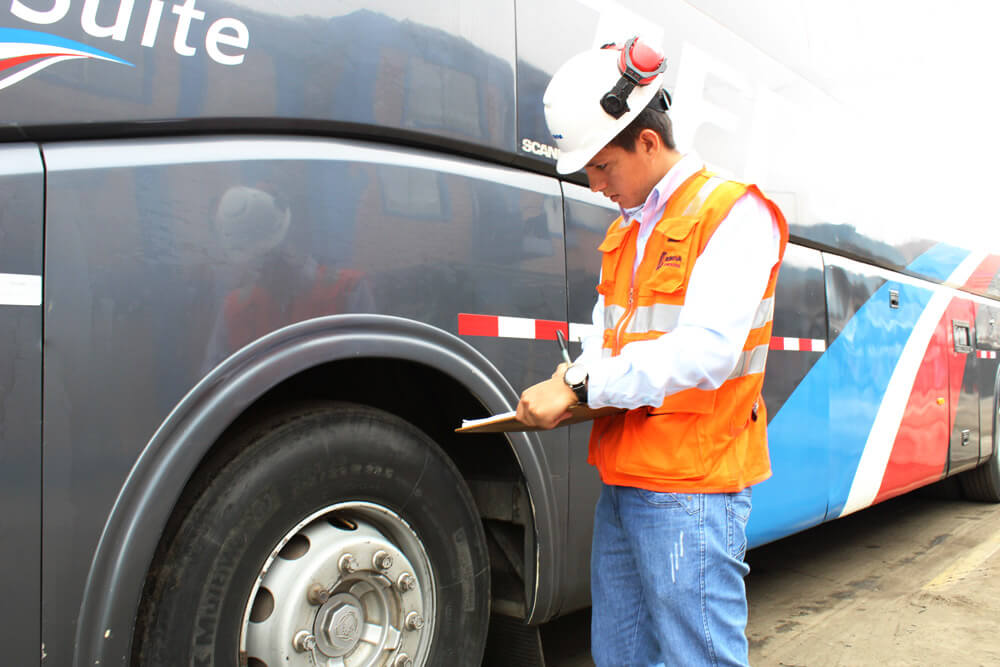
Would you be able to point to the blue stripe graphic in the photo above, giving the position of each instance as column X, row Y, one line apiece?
column 939, row 262
column 46, row 39
column 818, row 436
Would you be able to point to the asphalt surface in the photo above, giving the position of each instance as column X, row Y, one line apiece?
column 912, row 581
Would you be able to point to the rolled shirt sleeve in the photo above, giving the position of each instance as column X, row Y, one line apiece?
column 724, row 292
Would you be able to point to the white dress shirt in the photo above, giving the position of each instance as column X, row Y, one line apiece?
column 726, row 286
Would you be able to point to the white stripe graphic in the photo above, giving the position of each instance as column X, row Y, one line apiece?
column 878, row 447
column 28, row 71
column 18, row 289
column 515, row 327
column 54, row 54
column 578, row 331
column 17, row 49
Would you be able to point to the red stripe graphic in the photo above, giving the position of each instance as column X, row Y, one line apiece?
column 14, row 62
column 546, row 329
column 981, row 278
column 920, row 450
column 478, row 325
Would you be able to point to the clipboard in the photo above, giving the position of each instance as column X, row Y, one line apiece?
column 506, row 422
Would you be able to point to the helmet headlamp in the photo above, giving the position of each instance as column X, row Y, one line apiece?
column 638, row 64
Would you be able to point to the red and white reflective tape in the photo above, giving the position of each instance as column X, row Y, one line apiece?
column 986, row 354
column 798, row 344
column 500, row 326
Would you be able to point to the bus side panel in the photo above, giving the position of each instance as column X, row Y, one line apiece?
column 795, row 497
column 441, row 70
column 166, row 256
column 964, row 387
column 587, row 218
column 889, row 416
column 21, row 211
column 987, row 362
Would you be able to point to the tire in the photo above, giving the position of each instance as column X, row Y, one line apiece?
column 338, row 534
column 983, row 481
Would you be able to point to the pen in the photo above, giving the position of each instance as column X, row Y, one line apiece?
column 562, row 346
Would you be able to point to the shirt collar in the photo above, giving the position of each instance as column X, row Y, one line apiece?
column 657, row 199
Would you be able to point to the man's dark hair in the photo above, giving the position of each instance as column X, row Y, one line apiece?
column 653, row 117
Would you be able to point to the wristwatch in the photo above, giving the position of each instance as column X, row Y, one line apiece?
column 575, row 378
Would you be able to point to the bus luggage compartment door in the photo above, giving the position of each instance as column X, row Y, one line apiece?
column 963, row 387
column 21, row 210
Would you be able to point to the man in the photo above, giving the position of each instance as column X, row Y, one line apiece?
column 685, row 303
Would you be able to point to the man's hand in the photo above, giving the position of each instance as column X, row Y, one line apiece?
column 545, row 404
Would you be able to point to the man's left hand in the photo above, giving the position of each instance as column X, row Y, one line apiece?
column 546, row 404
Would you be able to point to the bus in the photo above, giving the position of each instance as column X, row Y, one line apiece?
column 259, row 260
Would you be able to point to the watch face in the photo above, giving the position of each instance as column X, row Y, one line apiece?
column 575, row 375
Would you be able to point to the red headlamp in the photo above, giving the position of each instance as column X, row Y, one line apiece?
column 639, row 64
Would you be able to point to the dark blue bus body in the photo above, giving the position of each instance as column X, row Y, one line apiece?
column 211, row 208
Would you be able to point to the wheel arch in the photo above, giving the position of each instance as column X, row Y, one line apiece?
column 155, row 483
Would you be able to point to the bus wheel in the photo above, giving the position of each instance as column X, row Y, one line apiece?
column 983, row 482
column 338, row 535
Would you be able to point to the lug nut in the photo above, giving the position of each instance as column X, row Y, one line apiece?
column 403, row 660
column 349, row 564
column 414, row 621
column 406, row 582
column 381, row 560
column 318, row 594
column 304, row 641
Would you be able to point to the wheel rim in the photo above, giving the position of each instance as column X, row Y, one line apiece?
column 349, row 586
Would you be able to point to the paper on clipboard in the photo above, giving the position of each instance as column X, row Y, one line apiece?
column 507, row 421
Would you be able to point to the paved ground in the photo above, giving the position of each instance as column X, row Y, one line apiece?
column 913, row 581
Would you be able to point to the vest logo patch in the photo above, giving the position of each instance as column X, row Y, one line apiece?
column 666, row 259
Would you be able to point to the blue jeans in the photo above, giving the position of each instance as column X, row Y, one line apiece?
column 666, row 577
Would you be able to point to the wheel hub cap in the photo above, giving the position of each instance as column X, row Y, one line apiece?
column 351, row 586
column 338, row 624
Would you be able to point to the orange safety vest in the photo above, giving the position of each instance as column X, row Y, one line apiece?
column 696, row 441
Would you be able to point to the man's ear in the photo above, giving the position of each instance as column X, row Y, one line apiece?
column 649, row 142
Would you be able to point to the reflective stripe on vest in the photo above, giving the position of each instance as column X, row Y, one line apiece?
column 750, row 362
column 765, row 313
column 612, row 314
column 703, row 194
column 663, row 317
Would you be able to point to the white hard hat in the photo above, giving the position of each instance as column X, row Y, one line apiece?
column 573, row 105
